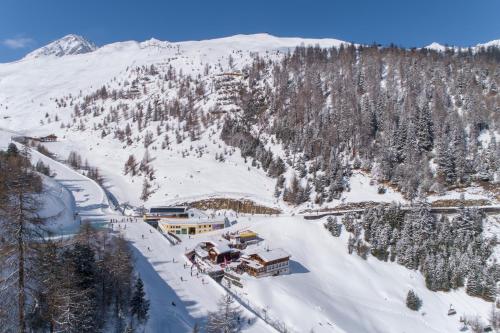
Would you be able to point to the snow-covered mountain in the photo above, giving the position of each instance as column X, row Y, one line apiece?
column 29, row 89
column 138, row 99
column 441, row 48
column 436, row 47
column 67, row 45
column 493, row 43
column 38, row 95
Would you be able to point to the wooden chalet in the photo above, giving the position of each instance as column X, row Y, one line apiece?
column 215, row 253
column 219, row 253
column 266, row 263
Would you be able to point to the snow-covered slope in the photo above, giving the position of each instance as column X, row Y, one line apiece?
column 68, row 45
column 38, row 95
column 328, row 290
column 34, row 88
column 492, row 43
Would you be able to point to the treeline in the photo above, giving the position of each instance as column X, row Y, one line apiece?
column 450, row 252
column 81, row 284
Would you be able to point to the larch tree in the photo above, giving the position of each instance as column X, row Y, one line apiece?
column 19, row 225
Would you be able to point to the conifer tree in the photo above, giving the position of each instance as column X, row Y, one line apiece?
column 139, row 305
column 413, row 302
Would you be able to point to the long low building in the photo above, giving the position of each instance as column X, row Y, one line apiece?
column 183, row 220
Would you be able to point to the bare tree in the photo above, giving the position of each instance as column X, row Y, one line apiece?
column 226, row 319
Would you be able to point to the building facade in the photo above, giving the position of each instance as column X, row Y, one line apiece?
column 182, row 220
column 266, row 263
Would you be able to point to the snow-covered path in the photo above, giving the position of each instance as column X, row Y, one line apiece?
column 89, row 200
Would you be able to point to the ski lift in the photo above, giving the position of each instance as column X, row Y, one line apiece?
column 451, row 311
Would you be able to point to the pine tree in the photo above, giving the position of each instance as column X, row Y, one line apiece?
column 413, row 302
column 139, row 305
column 12, row 149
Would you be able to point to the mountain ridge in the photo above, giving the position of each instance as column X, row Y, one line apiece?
column 74, row 44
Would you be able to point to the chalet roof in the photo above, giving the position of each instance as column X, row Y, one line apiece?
column 200, row 251
column 221, row 248
column 272, row 255
column 253, row 264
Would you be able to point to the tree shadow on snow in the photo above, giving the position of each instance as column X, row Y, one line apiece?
column 164, row 315
column 169, row 318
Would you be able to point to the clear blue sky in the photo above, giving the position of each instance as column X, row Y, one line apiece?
column 25, row 25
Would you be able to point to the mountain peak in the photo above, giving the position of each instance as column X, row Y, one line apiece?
column 436, row 47
column 68, row 45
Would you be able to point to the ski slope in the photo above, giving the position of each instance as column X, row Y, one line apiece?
column 90, row 201
column 329, row 290
column 69, row 192
column 161, row 267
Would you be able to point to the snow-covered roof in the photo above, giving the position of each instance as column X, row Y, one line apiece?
column 184, row 221
column 272, row 255
column 200, row 252
column 254, row 264
column 221, row 248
